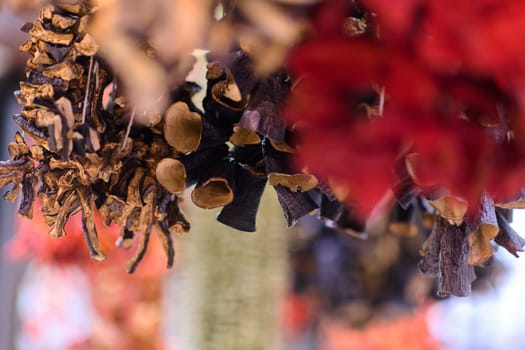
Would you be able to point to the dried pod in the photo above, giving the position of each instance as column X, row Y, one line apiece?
column 182, row 128
column 445, row 255
column 171, row 174
column 166, row 240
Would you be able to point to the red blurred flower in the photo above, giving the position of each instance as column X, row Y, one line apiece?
column 451, row 96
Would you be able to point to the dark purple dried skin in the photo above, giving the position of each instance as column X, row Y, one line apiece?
column 241, row 68
column 249, row 156
column 348, row 220
column 213, row 136
column 325, row 188
column 30, row 128
column 242, row 211
column 507, row 237
column 330, row 209
column 35, row 77
column 57, row 53
column 446, row 257
column 455, row 274
column 28, row 196
column 429, row 264
column 295, row 205
column 487, row 211
column 275, row 161
column 263, row 113
column 197, row 162
column 337, row 215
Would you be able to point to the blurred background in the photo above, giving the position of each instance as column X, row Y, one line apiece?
column 306, row 288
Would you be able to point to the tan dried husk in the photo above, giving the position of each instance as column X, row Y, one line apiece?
column 452, row 209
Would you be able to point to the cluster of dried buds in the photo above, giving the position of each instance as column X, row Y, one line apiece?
column 88, row 155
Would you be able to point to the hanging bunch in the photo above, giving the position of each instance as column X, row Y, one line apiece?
column 371, row 106
column 447, row 136
column 88, row 155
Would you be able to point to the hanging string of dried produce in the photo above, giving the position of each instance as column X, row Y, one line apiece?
column 94, row 150
column 89, row 157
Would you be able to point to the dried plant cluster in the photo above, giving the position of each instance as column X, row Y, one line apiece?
column 114, row 132
column 88, row 154
column 84, row 157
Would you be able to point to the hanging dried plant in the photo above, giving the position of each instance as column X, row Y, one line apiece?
column 90, row 153
column 114, row 128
